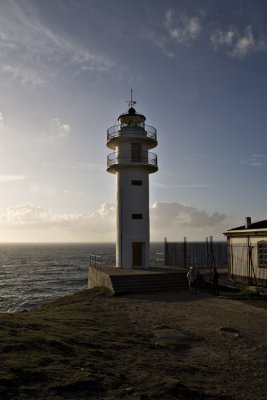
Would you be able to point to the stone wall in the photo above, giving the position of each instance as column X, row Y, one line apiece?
column 97, row 277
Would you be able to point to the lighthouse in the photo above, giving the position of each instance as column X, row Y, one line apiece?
column 132, row 161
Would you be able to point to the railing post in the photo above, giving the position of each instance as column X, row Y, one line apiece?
column 95, row 261
column 185, row 252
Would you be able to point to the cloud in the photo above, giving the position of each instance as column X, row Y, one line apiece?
column 11, row 178
column 181, row 185
column 25, row 215
column 255, row 160
column 76, row 165
column 185, row 29
column 32, row 217
column 179, row 28
column 166, row 215
column 166, row 219
column 159, row 40
column 182, row 27
column 238, row 45
column 1, row 120
column 62, row 129
column 34, row 53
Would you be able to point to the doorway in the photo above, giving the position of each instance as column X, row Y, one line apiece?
column 137, row 254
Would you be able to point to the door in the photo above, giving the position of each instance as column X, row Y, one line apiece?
column 137, row 254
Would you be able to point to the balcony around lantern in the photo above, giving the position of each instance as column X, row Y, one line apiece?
column 128, row 159
column 121, row 133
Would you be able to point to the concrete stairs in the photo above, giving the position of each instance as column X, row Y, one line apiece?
column 148, row 282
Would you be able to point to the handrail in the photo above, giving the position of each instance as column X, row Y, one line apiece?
column 128, row 157
column 119, row 130
column 95, row 261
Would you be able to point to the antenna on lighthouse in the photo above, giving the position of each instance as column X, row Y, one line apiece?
column 131, row 102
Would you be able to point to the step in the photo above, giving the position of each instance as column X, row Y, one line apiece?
column 127, row 284
column 147, row 289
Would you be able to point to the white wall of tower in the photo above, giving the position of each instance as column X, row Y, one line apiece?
column 132, row 199
column 125, row 149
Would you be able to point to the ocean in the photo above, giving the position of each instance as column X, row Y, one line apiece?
column 36, row 274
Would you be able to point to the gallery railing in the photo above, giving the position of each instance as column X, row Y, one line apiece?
column 128, row 157
column 119, row 130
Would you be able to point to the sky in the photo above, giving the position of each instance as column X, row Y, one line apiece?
column 198, row 69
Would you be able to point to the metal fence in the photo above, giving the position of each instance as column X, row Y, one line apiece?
column 196, row 254
column 95, row 261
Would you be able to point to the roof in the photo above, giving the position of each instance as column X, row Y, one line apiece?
column 132, row 112
column 255, row 229
column 255, row 225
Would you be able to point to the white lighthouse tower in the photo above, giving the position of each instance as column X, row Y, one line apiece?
column 132, row 162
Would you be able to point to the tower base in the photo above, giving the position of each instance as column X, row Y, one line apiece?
column 122, row 281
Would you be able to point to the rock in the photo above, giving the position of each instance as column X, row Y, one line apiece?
column 229, row 329
column 237, row 335
column 167, row 333
column 160, row 327
column 171, row 338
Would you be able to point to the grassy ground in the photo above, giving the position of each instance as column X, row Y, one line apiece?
column 58, row 349
column 93, row 346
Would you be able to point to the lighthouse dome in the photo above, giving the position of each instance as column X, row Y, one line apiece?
column 131, row 118
column 131, row 111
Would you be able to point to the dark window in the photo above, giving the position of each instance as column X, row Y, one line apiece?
column 137, row 216
column 137, row 182
column 136, row 151
column 262, row 253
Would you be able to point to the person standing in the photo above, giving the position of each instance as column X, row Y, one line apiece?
column 191, row 277
column 215, row 282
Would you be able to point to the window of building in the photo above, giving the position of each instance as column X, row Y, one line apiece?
column 136, row 152
column 137, row 216
column 262, row 253
column 137, row 182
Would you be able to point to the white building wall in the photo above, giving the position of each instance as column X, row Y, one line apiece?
column 239, row 257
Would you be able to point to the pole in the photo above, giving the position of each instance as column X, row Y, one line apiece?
column 185, row 252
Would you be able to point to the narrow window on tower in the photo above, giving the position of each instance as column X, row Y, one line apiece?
column 136, row 152
column 137, row 182
column 137, row 216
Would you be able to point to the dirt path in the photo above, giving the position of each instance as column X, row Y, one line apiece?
column 221, row 343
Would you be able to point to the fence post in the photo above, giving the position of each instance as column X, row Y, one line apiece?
column 185, row 252
column 165, row 251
